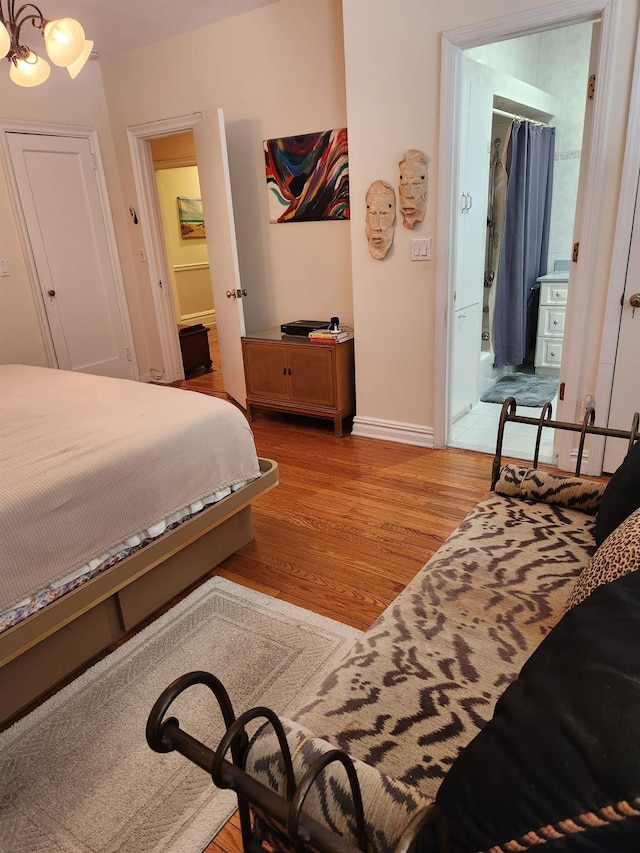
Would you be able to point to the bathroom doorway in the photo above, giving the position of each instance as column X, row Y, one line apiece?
column 536, row 84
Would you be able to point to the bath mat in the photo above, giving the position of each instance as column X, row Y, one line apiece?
column 527, row 388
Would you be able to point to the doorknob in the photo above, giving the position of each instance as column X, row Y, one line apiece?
column 634, row 300
column 236, row 294
column 231, row 293
column 53, row 293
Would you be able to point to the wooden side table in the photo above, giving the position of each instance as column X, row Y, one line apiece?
column 293, row 374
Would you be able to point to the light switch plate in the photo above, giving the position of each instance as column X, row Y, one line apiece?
column 421, row 249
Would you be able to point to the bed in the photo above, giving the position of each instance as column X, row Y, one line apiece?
column 115, row 496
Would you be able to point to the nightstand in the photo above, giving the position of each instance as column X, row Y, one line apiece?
column 288, row 373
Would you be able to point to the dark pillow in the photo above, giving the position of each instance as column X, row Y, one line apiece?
column 621, row 496
column 558, row 766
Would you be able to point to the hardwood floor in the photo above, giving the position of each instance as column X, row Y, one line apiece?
column 350, row 523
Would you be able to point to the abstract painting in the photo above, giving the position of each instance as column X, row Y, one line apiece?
column 308, row 176
column 191, row 218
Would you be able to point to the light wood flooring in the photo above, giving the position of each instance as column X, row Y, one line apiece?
column 350, row 524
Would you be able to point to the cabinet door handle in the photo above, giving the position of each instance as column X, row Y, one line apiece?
column 289, row 371
column 284, row 371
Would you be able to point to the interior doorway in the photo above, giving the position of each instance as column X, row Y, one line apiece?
column 213, row 167
column 180, row 204
column 533, row 85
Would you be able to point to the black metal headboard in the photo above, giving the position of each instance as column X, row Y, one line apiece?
column 544, row 421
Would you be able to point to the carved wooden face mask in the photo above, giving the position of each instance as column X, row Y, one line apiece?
column 413, row 188
column 381, row 217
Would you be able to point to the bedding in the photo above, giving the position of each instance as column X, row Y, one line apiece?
column 88, row 462
column 73, row 580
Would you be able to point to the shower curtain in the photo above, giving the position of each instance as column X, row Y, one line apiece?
column 525, row 241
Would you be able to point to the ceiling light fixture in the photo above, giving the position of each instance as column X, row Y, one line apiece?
column 64, row 40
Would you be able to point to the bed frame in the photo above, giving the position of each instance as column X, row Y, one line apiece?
column 48, row 646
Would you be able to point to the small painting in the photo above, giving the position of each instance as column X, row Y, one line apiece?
column 191, row 218
column 308, row 176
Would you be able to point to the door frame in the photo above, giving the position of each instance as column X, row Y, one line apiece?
column 73, row 131
column 629, row 193
column 139, row 137
column 453, row 43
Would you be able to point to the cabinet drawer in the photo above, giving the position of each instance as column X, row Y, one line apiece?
column 548, row 353
column 551, row 321
column 554, row 293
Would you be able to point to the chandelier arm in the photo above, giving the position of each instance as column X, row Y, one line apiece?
column 19, row 20
column 20, row 51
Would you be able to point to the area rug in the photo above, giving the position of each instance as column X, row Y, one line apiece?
column 76, row 775
column 527, row 388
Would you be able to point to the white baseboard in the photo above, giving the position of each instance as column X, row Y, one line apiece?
column 397, row 431
column 207, row 318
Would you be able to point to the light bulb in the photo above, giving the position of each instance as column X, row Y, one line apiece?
column 5, row 40
column 64, row 39
column 30, row 71
column 76, row 67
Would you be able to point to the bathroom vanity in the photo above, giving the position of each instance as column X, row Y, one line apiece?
column 551, row 315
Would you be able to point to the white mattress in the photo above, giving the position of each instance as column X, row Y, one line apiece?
column 88, row 463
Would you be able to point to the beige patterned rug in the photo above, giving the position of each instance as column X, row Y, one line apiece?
column 76, row 775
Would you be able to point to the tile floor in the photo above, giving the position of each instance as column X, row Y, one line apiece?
column 478, row 430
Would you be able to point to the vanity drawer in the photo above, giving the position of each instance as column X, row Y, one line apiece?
column 548, row 353
column 554, row 292
column 551, row 321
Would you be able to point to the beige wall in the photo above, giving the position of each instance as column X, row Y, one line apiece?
column 190, row 283
column 297, row 66
column 277, row 71
column 393, row 104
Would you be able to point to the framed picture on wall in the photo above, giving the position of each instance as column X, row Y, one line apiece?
column 308, row 176
column 191, row 218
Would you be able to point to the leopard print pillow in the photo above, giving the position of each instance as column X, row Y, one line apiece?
column 618, row 555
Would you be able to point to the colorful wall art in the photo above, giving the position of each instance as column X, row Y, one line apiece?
column 191, row 218
column 308, row 177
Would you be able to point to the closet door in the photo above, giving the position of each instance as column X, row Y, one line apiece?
column 66, row 220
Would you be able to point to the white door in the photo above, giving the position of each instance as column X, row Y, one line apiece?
column 225, row 271
column 625, row 395
column 64, row 215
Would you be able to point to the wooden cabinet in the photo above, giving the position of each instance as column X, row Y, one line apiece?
column 292, row 374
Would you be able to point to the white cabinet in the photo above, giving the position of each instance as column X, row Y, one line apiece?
column 471, row 233
column 466, row 337
column 551, row 315
column 475, row 142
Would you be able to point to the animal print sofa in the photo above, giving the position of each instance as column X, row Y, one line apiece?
column 503, row 685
